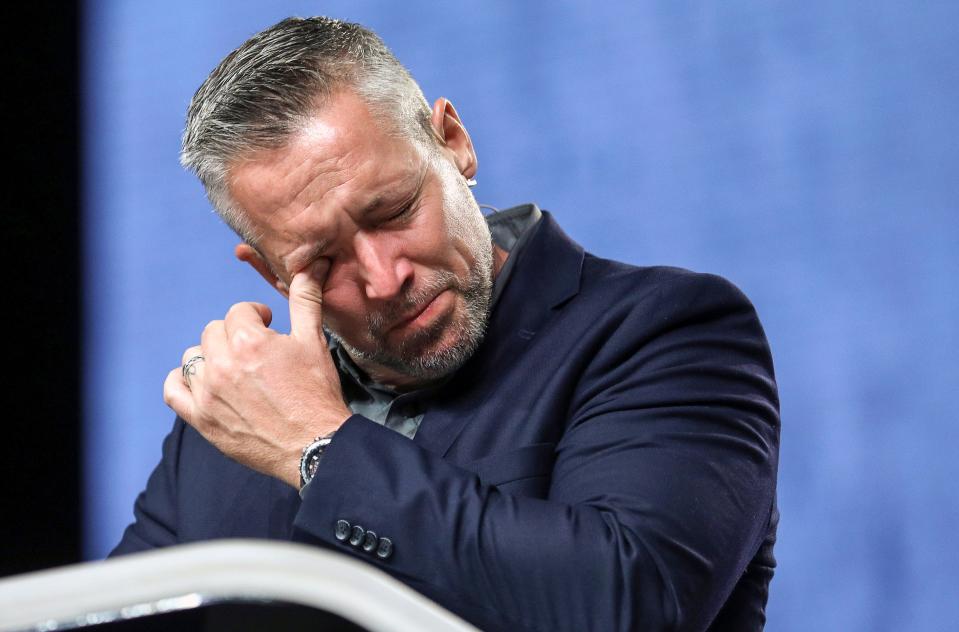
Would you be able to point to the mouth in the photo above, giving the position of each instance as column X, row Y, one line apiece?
column 422, row 314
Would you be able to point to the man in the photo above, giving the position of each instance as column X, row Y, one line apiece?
column 534, row 437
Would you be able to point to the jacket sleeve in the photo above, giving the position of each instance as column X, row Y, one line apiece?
column 661, row 491
column 155, row 519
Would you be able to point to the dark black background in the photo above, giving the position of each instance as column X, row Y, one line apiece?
column 40, row 443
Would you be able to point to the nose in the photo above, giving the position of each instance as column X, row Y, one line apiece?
column 383, row 269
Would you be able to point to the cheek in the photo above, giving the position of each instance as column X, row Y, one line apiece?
column 439, row 241
column 343, row 309
column 461, row 224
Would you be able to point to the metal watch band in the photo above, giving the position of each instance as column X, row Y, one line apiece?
column 312, row 454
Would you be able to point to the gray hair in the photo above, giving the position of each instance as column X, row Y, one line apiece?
column 266, row 90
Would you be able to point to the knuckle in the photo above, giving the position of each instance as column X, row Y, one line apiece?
column 212, row 325
column 237, row 308
column 248, row 339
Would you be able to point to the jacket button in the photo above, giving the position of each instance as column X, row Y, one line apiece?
column 385, row 549
column 342, row 530
column 369, row 541
column 356, row 536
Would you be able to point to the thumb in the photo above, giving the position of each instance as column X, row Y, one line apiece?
column 306, row 301
column 265, row 313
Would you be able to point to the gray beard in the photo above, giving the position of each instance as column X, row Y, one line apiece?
column 415, row 357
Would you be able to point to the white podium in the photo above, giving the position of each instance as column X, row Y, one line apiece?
column 153, row 584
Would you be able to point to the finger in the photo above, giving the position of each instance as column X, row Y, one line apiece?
column 306, row 301
column 177, row 396
column 266, row 314
column 191, row 368
column 213, row 339
column 247, row 315
column 191, row 352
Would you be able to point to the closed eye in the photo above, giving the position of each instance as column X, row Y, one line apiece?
column 405, row 212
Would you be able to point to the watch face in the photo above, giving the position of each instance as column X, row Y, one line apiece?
column 313, row 464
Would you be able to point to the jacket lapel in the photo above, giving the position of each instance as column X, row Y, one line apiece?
column 546, row 275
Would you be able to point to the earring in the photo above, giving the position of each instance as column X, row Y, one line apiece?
column 471, row 182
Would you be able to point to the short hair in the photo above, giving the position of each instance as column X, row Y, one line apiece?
column 266, row 90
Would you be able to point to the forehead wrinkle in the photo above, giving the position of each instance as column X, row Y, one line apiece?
column 274, row 174
column 330, row 173
column 313, row 195
column 344, row 149
column 353, row 213
column 289, row 190
column 313, row 245
column 306, row 177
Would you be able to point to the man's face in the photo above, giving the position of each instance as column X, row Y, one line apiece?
column 411, row 260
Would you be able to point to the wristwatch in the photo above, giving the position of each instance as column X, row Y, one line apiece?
column 312, row 454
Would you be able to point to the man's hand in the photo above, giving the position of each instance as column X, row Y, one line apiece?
column 260, row 396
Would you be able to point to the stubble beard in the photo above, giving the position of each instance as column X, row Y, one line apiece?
column 422, row 354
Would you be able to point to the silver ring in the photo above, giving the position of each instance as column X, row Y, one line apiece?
column 189, row 368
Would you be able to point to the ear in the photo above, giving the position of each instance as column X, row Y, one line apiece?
column 248, row 254
column 453, row 135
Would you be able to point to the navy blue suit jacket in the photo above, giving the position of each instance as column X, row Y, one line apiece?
column 605, row 461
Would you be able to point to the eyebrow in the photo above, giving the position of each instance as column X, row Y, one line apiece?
column 373, row 205
column 417, row 190
column 378, row 201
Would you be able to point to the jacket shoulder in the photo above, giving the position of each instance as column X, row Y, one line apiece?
column 629, row 285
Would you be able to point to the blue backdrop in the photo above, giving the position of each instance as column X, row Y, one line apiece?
column 806, row 150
